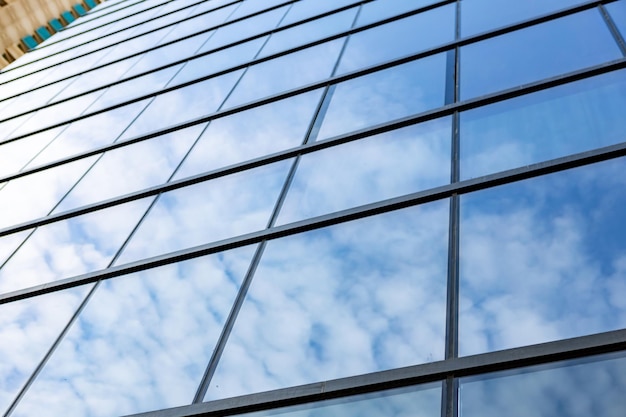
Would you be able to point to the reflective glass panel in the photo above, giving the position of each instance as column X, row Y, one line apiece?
column 571, row 118
column 385, row 95
column 15, row 155
column 382, row 9
column 190, row 102
column 86, row 134
column 142, row 342
column 305, row 9
column 71, row 247
column 420, row 401
column 398, row 38
column 533, row 252
column 371, row 169
column 483, row 15
column 308, row 32
column 287, row 72
column 253, row 133
column 350, row 299
column 131, row 168
column 576, row 388
column 35, row 195
column 27, row 330
column 208, row 211
column 531, row 54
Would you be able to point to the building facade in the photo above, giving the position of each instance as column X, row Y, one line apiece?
column 317, row 207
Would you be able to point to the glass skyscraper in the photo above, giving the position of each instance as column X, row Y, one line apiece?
column 317, row 207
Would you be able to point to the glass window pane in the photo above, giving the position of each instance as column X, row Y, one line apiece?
column 219, row 61
column 421, row 400
column 386, row 95
column 15, row 155
column 252, row 133
column 531, row 54
column 35, row 195
column 371, row 169
column 142, row 342
column 86, row 134
column 533, row 252
column 571, row 118
column 383, row 9
column 483, row 15
column 28, row 328
column 399, row 38
column 285, row 73
column 576, row 388
column 207, row 212
column 71, row 247
column 350, row 299
column 309, row 32
column 190, row 102
column 305, row 9
column 131, row 168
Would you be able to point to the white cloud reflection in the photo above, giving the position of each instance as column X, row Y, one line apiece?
column 142, row 342
column 355, row 298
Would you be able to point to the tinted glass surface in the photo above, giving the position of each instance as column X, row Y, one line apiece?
column 553, row 123
column 563, row 45
column 574, row 388
column 341, row 301
column 533, row 252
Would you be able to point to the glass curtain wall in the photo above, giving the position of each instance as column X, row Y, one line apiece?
column 314, row 207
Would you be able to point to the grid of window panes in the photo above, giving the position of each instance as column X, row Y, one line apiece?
column 317, row 207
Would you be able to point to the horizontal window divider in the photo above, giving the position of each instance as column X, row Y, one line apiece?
column 432, row 51
column 370, row 131
column 331, row 219
column 539, row 354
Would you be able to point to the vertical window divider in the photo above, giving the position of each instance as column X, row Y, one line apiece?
column 449, row 396
column 619, row 39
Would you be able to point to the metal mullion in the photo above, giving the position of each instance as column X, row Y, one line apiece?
column 314, row 223
column 449, row 395
column 540, row 354
column 619, row 39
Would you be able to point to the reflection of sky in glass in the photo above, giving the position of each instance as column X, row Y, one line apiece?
column 566, row 44
column 571, row 118
column 346, row 300
column 383, row 166
column 399, row 38
column 532, row 253
column 70, row 247
column 386, row 95
column 256, row 132
column 131, row 168
column 381, row 9
column 27, row 330
column 142, row 342
column 577, row 388
column 483, row 15
column 287, row 72
column 208, row 211
column 84, row 135
column 417, row 401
